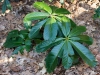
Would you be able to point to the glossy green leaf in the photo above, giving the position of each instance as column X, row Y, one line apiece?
column 65, row 26
column 62, row 11
column 84, row 53
column 36, row 28
column 51, row 59
column 42, row 6
column 34, row 16
column 45, row 45
column 84, row 38
column 50, row 29
column 77, row 31
column 66, row 59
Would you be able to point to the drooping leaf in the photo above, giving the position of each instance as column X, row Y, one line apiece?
column 84, row 53
column 77, row 31
column 42, row 6
column 62, row 11
column 46, row 44
column 84, row 38
column 50, row 29
column 65, row 26
column 34, row 16
column 36, row 28
column 51, row 59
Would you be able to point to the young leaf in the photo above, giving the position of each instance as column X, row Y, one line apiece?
column 50, row 29
column 36, row 28
column 77, row 31
column 85, row 54
column 42, row 6
column 51, row 59
column 65, row 26
column 61, row 11
column 84, row 38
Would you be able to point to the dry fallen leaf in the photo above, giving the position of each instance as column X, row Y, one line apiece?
column 98, row 58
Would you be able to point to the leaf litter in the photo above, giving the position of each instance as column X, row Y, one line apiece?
column 32, row 63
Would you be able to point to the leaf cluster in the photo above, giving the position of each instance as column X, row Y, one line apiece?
column 61, row 36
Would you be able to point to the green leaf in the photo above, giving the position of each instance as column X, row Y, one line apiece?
column 77, row 31
column 62, row 11
column 36, row 28
column 50, row 29
column 65, row 26
column 72, row 23
column 84, row 38
column 13, row 42
column 53, row 8
column 28, row 45
column 23, row 34
column 34, row 16
column 51, row 59
column 46, row 44
column 13, row 33
column 42, row 6
column 85, row 54
column 18, row 49
column 66, row 60
column 67, row 46
column 8, row 4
